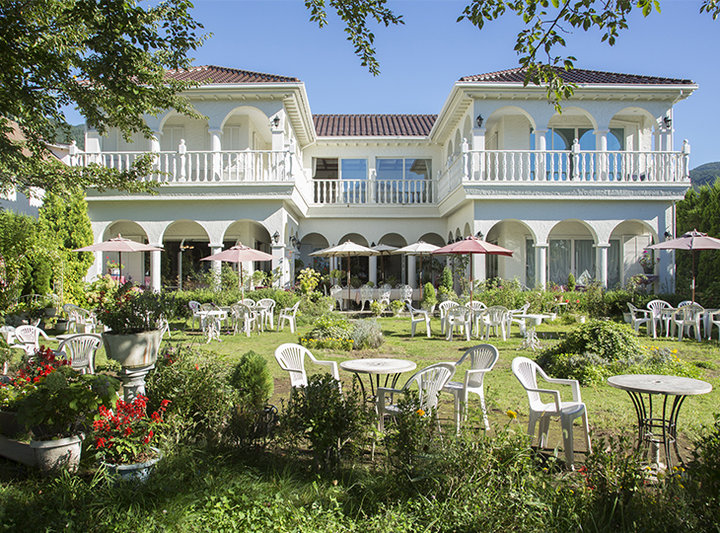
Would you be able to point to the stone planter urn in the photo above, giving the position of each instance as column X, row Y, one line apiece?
column 137, row 353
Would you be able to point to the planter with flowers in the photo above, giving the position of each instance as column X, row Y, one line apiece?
column 123, row 438
column 648, row 261
column 52, row 405
column 134, row 318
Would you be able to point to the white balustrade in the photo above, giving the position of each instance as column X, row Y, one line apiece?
column 376, row 191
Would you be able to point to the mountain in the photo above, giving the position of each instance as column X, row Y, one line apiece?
column 705, row 174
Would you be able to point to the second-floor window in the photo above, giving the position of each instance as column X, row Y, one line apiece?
column 403, row 180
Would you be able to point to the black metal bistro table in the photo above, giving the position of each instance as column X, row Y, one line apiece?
column 376, row 368
column 657, row 424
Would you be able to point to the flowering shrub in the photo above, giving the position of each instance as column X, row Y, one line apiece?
column 329, row 343
column 102, row 291
column 125, row 435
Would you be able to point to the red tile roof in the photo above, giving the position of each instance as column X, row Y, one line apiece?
column 374, row 125
column 209, row 74
column 579, row 76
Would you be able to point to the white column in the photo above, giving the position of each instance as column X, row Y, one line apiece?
column 216, row 146
column 216, row 266
column 540, row 147
column 541, row 260
column 372, row 266
column 411, row 267
column 601, row 159
column 278, row 260
column 601, row 260
column 155, row 269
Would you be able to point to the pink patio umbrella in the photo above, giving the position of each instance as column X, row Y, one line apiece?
column 347, row 249
column 120, row 245
column 239, row 254
column 472, row 245
column 692, row 240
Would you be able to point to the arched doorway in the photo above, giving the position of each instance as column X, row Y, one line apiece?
column 135, row 266
column 186, row 242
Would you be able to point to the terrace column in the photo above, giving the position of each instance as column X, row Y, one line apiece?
column 479, row 271
column 541, row 257
column 278, row 260
column 601, row 158
column 155, row 268
column 372, row 267
column 216, row 266
column 602, row 262
column 540, row 147
column 216, row 147
column 478, row 158
column 92, row 146
column 411, row 268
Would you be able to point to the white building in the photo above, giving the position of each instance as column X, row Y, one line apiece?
column 582, row 190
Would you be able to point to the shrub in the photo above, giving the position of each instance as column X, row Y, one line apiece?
column 413, row 436
column 336, row 425
column 703, row 477
column 331, row 331
column 429, row 300
column 308, row 280
column 366, row 334
column 377, row 308
column 609, row 340
column 314, row 305
column 571, row 282
column 446, row 280
column 396, row 306
column 253, row 382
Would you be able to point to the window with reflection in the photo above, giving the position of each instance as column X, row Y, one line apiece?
column 403, row 180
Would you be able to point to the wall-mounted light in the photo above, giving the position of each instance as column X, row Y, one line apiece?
column 276, row 237
column 479, row 235
column 275, row 121
column 294, row 241
column 668, row 234
column 479, row 121
column 667, row 121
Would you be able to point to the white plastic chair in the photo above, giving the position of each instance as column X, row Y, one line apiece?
column 336, row 292
column 80, row 320
column 367, row 294
column 266, row 307
column 713, row 320
column 495, row 317
column 687, row 317
column 460, row 318
column 195, row 308
column 80, row 351
column 660, row 318
column 477, row 308
column 519, row 321
column 291, row 358
column 638, row 317
column 242, row 314
column 482, row 360
column 527, row 371
column 418, row 316
column 429, row 380
column 8, row 333
column 27, row 338
column 288, row 315
column 443, row 307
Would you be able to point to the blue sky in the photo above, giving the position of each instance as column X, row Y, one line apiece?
column 420, row 60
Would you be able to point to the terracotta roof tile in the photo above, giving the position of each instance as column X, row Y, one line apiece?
column 579, row 76
column 373, row 125
column 209, row 74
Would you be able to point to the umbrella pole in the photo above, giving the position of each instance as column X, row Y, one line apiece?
column 471, row 278
column 693, row 276
column 348, row 279
column 120, row 265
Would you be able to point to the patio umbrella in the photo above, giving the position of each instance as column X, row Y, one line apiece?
column 692, row 240
column 120, row 245
column 383, row 250
column 347, row 249
column 239, row 254
column 473, row 245
column 419, row 248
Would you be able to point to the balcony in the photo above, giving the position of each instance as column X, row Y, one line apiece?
column 373, row 192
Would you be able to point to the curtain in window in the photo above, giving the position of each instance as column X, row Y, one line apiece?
column 559, row 261
column 529, row 263
column 584, row 258
column 613, row 264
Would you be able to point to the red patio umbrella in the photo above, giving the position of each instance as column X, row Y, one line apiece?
column 692, row 240
column 472, row 245
column 239, row 254
column 120, row 245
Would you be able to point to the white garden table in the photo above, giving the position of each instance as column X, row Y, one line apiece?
column 655, row 429
column 377, row 367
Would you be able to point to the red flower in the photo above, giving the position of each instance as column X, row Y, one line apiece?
column 197, row 366
column 100, row 443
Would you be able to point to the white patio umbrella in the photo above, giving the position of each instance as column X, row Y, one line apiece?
column 419, row 249
column 239, row 254
column 347, row 249
column 120, row 245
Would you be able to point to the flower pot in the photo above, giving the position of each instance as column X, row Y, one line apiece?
column 61, row 326
column 50, row 311
column 136, row 471
column 133, row 350
column 627, row 317
column 648, row 269
column 58, row 454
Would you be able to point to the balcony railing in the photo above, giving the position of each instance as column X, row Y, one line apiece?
column 373, row 191
column 555, row 166
column 202, row 167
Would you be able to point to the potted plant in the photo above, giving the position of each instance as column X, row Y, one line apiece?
column 123, row 438
column 134, row 318
column 648, row 261
column 54, row 404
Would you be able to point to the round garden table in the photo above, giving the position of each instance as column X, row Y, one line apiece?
column 377, row 367
column 658, row 428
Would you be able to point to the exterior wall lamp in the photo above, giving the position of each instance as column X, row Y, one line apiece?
column 275, row 121
column 276, row 237
column 294, row 241
column 667, row 121
column 479, row 235
column 479, row 121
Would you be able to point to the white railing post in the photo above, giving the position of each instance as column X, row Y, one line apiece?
column 685, row 160
column 575, row 160
column 182, row 149
column 372, row 194
column 465, row 161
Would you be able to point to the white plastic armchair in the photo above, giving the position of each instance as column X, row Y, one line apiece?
column 443, row 307
column 527, row 371
column 660, row 318
column 195, row 309
column 519, row 321
column 80, row 351
column 458, row 317
column 418, row 316
column 291, row 358
column 288, row 315
column 80, row 320
column 477, row 308
column 429, row 381
column 638, row 317
column 28, row 338
column 482, row 360
column 495, row 317
column 687, row 317
column 266, row 307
